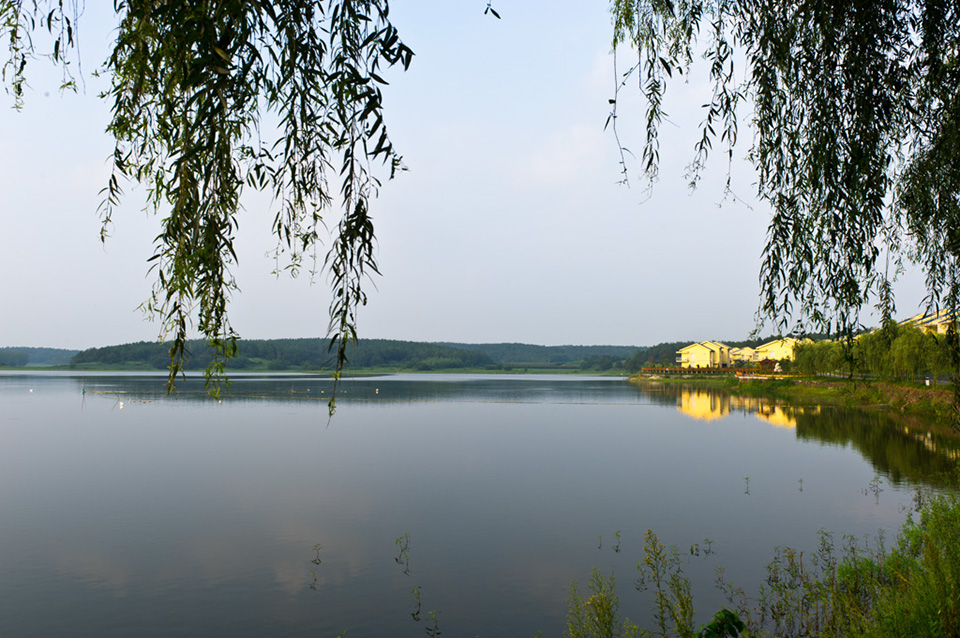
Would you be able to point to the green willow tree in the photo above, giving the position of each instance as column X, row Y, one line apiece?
column 855, row 114
column 196, row 88
column 854, row 108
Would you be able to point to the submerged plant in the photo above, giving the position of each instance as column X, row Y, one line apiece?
column 316, row 561
column 706, row 549
column 415, row 614
column 403, row 556
column 434, row 630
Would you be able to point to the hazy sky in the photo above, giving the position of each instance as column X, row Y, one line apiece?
column 509, row 226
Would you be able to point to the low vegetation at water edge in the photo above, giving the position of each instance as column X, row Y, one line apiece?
column 858, row 589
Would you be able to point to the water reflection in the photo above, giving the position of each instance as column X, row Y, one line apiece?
column 183, row 516
column 384, row 389
column 703, row 404
column 708, row 405
column 901, row 450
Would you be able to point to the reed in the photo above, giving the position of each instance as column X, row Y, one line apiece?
column 854, row 587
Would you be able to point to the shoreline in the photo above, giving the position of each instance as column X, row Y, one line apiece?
column 933, row 403
column 134, row 369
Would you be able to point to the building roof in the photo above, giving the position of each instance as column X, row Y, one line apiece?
column 717, row 344
column 708, row 345
column 786, row 341
column 924, row 320
column 695, row 345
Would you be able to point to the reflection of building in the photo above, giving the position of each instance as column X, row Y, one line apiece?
column 703, row 404
column 708, row 405
column 783, row 416
column 925, row 438
column 706, row 354
column 780, row 416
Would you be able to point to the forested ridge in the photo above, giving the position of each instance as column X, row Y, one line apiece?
column 529, row 353
column 365, row 354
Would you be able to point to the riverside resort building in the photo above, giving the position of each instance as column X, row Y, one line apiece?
column 713, row 354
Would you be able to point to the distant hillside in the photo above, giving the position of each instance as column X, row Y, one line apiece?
column 20, row 357
column 289, row 354
column 662, row 354
column 514, row 353
column 311, row 354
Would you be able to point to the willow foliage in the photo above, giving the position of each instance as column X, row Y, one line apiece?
column 196, row 89
column 855, row 113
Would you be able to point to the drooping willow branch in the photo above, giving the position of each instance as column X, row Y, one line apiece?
column 196, row 89
column 851, row 104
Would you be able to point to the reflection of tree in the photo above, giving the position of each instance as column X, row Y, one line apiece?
column 657, row 392
column 378, row 391
column 901, row 453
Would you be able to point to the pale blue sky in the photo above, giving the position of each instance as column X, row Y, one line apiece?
column 509, row 226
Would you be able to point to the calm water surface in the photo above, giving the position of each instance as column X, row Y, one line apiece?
column 126, row 512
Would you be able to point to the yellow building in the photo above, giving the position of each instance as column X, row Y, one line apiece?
column 747, row 354
column 777, row 350
column 937, row 322
column 706, row 354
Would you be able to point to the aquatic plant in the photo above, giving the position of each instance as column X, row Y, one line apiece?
column 857, row 587
column 597, row 616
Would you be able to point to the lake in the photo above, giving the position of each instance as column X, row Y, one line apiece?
column 129, row 512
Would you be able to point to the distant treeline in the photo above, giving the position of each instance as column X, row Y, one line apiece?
column 520, row 354
column 312, row 354
column 21, row 357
